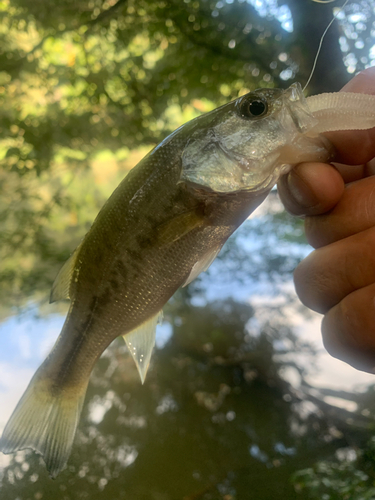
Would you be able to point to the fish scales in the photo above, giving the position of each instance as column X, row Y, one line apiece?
column 161, row 227
column 121, row 245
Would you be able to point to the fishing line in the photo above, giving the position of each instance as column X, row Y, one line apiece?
column 322, row 37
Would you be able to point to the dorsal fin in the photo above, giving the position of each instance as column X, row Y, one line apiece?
column 61, row 286
column 141, row 341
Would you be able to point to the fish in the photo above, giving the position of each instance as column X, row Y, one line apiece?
column 164, row 225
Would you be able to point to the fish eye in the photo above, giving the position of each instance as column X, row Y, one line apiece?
column 254, row 108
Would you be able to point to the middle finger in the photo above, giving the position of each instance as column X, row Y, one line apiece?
column 332, row 272
column 354, row 213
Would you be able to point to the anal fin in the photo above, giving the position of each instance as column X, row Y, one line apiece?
column 141, row 342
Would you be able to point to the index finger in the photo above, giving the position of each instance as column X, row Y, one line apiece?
column 315, row 188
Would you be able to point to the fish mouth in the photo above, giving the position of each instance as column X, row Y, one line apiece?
column 303, row 143
column 217, row 160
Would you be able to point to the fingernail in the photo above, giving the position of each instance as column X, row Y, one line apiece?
column 301, row 191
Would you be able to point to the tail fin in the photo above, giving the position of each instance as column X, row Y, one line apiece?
column 45, row 420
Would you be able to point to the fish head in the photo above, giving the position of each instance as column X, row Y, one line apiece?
column 248, row 143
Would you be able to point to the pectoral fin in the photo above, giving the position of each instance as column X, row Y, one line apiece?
column 202, row 265
column 141, row 341
column 178, row 226
column 62, row 284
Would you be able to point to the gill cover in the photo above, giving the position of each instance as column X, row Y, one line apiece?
column 244, row 147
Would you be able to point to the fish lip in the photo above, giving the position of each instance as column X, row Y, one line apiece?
column 298, row 109
column 206, row 191
column 294, row 92
column 288, row 107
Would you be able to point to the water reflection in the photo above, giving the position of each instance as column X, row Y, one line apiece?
column 230, row 404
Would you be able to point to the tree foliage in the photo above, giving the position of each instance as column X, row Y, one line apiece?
column 87, row 87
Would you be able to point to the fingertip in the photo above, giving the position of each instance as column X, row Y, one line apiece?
column 312, row 285
column 335, row 341
column 331, row 337
column 348, row 331
column 338, row 342
column 311, row 188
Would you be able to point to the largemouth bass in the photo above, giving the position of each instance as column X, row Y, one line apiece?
column 162, row 226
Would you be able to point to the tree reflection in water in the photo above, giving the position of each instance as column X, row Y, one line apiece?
column 85, row 93
column 214, row 420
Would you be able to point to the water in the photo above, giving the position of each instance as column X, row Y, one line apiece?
column 238, row 398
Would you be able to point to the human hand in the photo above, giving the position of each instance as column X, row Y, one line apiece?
column 338, row 278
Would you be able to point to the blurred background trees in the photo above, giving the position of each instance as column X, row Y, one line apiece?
column 87, row 88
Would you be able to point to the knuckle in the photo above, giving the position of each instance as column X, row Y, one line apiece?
column 356, row 262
